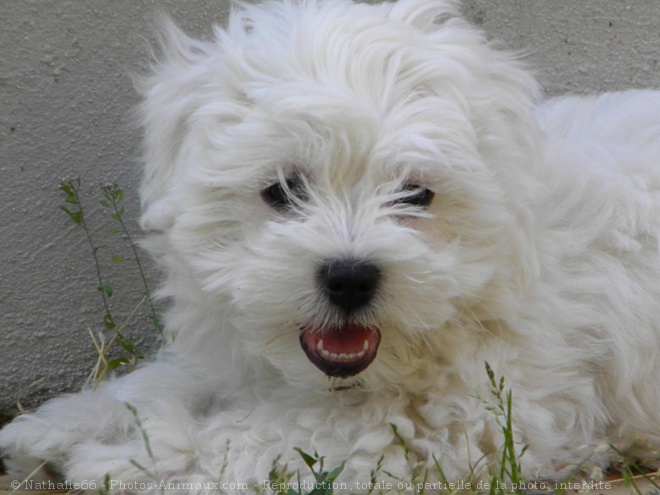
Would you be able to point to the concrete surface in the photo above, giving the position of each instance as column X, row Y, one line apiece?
column 65, row 100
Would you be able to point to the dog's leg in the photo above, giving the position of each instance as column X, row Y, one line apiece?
column 122, row 429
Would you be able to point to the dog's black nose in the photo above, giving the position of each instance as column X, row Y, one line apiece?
column 349, row 284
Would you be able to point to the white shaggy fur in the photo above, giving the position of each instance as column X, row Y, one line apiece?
column 538, row 255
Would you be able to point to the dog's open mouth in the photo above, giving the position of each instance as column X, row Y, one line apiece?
column 341, row 351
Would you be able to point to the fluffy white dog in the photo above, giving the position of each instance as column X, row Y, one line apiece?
column 357, row 206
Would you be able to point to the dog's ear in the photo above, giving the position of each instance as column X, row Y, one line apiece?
column 170, row 93
column 425, row 15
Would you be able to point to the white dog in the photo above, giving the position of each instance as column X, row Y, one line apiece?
column 357, row 207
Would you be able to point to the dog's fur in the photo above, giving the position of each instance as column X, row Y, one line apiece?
column 538, row 254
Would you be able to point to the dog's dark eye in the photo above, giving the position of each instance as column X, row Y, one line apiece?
column 418, row 196
column 283, row 196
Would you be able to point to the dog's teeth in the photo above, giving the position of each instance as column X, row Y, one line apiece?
column 321, row 349
column 341, row 356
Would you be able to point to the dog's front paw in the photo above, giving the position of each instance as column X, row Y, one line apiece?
column 38, row 445
column 34, row 449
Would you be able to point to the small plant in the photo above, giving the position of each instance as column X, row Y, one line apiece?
column 152, row 473
column 281, row 480
column 71, row 197
column 418, row 471
column 113, row 197
column 633, row 475
column 373, row 479
column 112, row 202
column 502, row 409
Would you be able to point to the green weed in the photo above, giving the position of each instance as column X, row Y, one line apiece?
column 502, row 410
column 281, row 480
column 112, row 204
column 113, row 198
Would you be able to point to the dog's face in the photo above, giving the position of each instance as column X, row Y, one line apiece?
column 345, row 181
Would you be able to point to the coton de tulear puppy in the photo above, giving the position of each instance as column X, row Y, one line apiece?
column 357, row 207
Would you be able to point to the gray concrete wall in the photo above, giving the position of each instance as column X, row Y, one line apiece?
column 65, row 101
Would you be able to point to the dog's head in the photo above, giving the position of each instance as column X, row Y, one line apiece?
column 348, row 182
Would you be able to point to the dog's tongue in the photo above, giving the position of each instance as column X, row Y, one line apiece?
column 341, row 351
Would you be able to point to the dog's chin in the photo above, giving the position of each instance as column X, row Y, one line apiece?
column 340, row 351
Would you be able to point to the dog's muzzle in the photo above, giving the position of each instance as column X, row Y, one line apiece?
column 347, row 349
